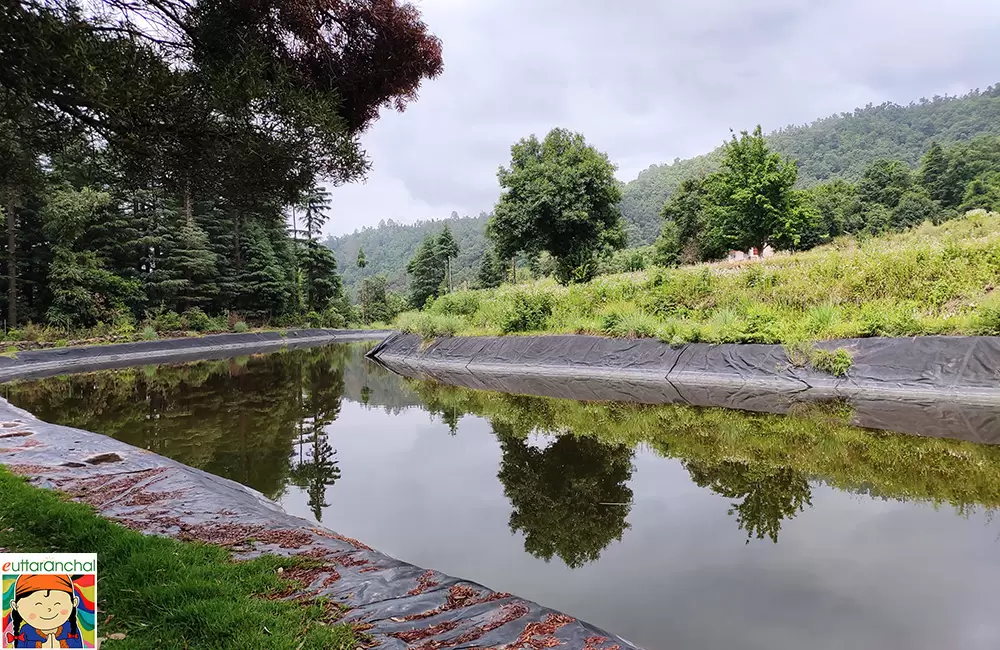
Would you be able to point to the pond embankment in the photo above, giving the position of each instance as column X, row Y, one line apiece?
column 54, row 361
column 933, row 385
column 398, row 604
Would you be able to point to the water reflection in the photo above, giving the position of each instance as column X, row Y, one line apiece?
column 768, row 495
column 238, row 418
column 270, row 422
column 673, row 526
column 569, row 498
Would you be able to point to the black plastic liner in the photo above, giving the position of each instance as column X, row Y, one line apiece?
column 34, row 364
column 935, row 386
column 402, row 606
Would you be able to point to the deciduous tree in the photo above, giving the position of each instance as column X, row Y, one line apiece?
column 559, row 195
column 752, row 201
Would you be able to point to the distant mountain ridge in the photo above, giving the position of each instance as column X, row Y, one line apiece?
column 839, row 146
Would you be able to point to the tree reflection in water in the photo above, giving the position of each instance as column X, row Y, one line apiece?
column 769, row 495
column 569, row 499
column 260, row 420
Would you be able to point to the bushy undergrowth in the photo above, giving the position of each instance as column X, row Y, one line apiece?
column 929, row 280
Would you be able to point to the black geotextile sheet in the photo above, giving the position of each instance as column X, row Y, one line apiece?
column 936, row 385
column 53, row 361
column 402, row 606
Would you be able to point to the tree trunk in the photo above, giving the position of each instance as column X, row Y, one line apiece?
column 364, row 309
column 188, row 204
column 449, row 274
column 513, row 270
column 236, row 239
column 11, row 259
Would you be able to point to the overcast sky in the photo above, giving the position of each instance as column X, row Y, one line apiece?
column 648, row 81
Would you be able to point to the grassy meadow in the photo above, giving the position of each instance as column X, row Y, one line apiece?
column 933, row 279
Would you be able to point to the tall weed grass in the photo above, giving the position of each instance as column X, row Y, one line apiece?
column 929, row 280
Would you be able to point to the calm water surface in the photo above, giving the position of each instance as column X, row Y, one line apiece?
column 674, row 527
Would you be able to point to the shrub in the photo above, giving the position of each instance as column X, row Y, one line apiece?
column 460, row 303
column 986, row 321
column 31, row 332
column 429, row 325
column 197, row 320
column 836, row 362
column 525, row 312
column 148, row 333
column 334, row 319
column 167, row 321
column 123, row 323
column 629, row 323
column 822, row 318
column 240, row 327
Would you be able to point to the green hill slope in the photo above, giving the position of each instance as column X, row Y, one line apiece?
column 390, row 246
column 840, row 146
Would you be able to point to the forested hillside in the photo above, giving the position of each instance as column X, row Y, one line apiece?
column 390, row 246
column 151, row 156
column 840, row 146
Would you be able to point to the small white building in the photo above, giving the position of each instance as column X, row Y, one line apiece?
column 752, row 254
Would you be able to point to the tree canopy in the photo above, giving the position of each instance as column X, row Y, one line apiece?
column 559, row 196
column 199, row 123
column 841, row 146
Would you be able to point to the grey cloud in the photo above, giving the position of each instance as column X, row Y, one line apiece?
column 649, row 80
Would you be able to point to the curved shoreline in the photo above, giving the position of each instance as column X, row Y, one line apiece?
column 34, row 364
column 934, row 386
column 400, row 605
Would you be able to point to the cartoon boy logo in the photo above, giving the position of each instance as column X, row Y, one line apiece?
column 44, row 613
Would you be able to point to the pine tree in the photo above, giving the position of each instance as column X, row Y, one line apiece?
column 934, row 172
column 426, row 272
column 491, row 271
column 447, row 249
column 319, row 272
column 190, row 260
column 361, row 264
column 263, row 287
column 315, row 205
column 374, row 290
column 83, row 290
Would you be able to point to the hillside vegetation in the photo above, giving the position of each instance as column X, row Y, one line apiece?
column 837, row 147
column 929, row 280
column 390, row 246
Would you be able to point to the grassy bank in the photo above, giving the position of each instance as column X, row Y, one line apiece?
column 163, row 593
column 816, row 441
column 930, row 280
column 41, row 337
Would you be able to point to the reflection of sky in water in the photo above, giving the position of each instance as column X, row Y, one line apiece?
column 849, row 572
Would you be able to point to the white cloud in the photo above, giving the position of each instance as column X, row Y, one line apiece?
column 648, row 81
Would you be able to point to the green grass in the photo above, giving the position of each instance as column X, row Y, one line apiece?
column 429, row 325
column 929, row 280
column 836, row 362
column 164, row 593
